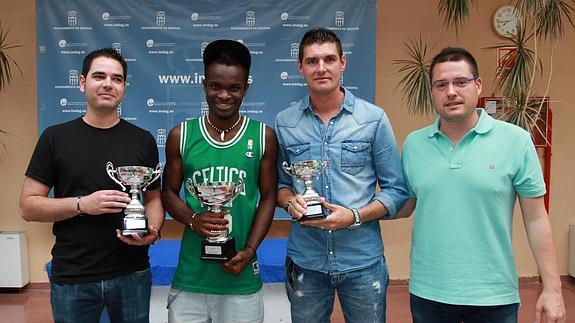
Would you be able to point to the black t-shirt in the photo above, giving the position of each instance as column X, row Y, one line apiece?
column 71, row 157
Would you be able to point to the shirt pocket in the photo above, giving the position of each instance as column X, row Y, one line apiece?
column 354, row 156
column 299, row 152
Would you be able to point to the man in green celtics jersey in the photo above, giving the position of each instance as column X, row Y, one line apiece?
column 221, row 146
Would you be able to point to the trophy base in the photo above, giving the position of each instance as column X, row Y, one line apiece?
column 313, row 212
column 135, row 225
column 218, row 251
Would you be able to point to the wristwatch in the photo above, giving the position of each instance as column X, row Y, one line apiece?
column 356, row 219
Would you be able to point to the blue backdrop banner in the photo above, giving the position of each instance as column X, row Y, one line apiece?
column 163, row 42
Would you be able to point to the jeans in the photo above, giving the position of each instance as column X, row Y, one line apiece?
column 126, row 298
column 187, row 307
column 361, row 293
column 424, row 310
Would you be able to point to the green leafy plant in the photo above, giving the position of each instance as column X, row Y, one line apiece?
column 7, row 62
column 541, row 21
column 415, row 82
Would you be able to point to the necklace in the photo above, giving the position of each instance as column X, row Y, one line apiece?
column 223, row 132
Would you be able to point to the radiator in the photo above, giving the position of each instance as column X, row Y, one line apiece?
column 13, row 259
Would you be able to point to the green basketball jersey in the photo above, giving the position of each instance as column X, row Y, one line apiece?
column 207, row 160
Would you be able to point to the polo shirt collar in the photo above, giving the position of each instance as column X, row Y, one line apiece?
column 483, row 125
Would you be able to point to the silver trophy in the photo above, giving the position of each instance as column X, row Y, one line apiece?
column 215, row 196
column 306, row 170
column 138, row 178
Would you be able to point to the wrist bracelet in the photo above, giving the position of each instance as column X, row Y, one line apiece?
column 192, row 221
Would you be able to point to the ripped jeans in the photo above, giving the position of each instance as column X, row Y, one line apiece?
column 361, row 293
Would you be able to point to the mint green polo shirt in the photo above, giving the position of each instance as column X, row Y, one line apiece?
column 461, row 251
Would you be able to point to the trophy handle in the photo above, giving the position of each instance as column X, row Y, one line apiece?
column 287, row 168
column 239, row 187
column 111, row 171
column 192, row 190
column 157, row 174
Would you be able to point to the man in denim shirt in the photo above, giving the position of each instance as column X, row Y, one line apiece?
column 344, row 251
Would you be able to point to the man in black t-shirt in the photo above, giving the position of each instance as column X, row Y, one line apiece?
column 93, row 264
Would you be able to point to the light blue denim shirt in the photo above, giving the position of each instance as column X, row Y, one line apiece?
column 362, row 153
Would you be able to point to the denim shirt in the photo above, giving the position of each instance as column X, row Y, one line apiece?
column 362, row 153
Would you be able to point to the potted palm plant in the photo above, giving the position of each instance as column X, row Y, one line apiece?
column 7, row 62
column 540, row 21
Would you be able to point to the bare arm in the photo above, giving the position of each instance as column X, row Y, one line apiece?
column 540, row 237
column 265, row 211
column 37, row 206
column 407, row 209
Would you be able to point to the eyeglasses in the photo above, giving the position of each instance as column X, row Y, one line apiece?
column 458, row 83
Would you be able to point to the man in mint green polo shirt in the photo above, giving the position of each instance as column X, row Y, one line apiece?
column 464, row 173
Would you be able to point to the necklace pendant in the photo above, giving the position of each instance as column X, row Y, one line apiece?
column 222, row 134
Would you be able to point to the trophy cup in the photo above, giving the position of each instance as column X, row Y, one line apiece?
column 215, row 195
column 305, row 170
column 138, row 178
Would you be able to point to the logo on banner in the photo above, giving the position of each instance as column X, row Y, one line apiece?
column 340, row 22
column 72, row 22
column 73, row 80
column 294, row 21
column 117, row 46
column 161, row 23
column 254, row 48
column 250, row 23
column 295, row 80
column 250, row 18
column 150, row 43
column 119, row 110
column 160, row 106
column 69, row 106
column 252, row 107
column 293, row 54
column 339, row 19
column 72, row 18
column 109, row 20
column 160, row 18
column 161, row 136
column 201, row 21
column 294, row 50
column 72, row 48
column 73, row 77
column 204, row 109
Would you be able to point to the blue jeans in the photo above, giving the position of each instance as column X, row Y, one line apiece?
column 361, row 293
column 428, row 311
column 126, row 298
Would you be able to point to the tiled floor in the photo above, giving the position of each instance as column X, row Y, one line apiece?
column 32, row 305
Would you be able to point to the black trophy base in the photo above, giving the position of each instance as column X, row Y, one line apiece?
column 218, row 251
column 314, row 211
column 135, row 225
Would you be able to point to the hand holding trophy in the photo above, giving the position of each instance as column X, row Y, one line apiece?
column 138, row 178
column 215, row 195
column 306, row 170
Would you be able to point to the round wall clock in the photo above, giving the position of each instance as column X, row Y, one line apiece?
column 506, row 20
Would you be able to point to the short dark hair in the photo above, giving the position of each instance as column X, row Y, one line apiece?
column 105, row 52
column 454, row 54
column 227, row 52
column 319, row 35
